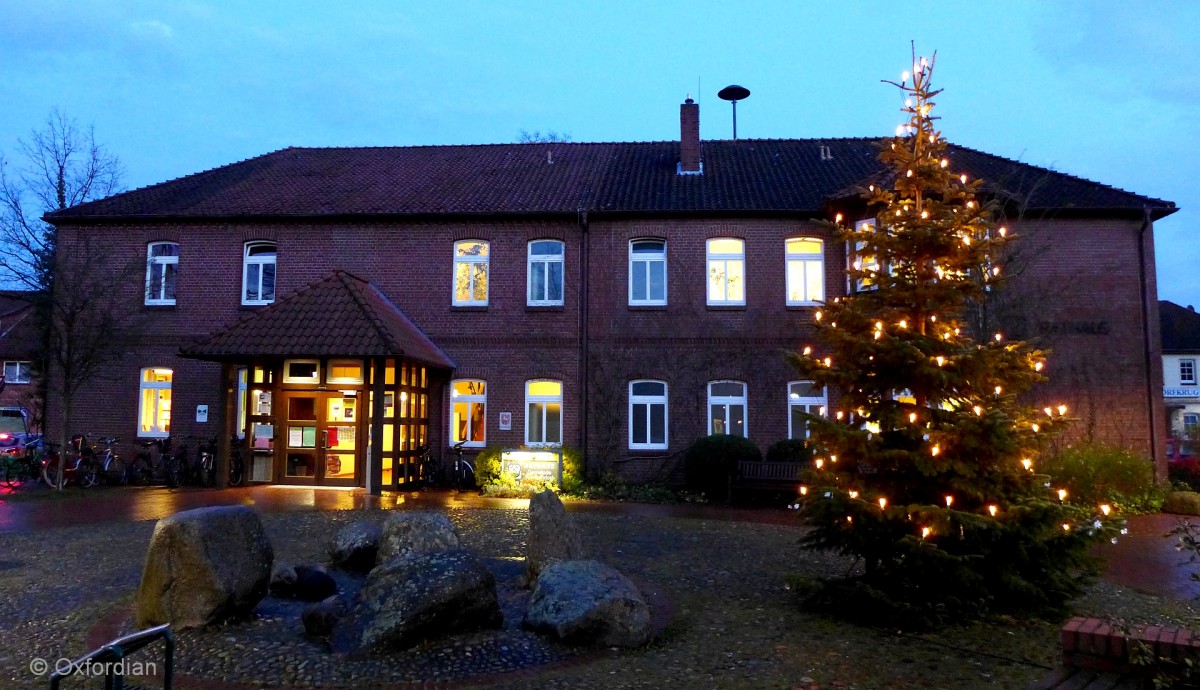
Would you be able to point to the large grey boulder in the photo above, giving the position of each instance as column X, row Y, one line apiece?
column 355, row 546
column 320, row 618
column 204, row 566
column 553, row 535
column 587, row 602
column 407, row 533
column 421, row 596
column 306, row 582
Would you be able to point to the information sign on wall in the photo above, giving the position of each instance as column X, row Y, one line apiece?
column 529, row 466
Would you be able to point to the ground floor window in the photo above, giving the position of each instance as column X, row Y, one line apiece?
column 727, row 408
column 468, row 412
column 804, row 397
column 154, row 408
column 647, row 415
column 543, row 413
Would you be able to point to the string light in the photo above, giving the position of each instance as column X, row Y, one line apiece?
column 803, row 490
column 1105, row 508
column 978, row 411
column 882, row 503
column 992, row 510
column 837, row 218
column 1062, row 409
column 935, row 450
column 912, row 417
column 949, row 500
column 818, row 463
column 1027, row 463
column 1066, row 527
column 926, row 531
column 1035, row 428
column 1062, row 494
column 807, row 350
column 853, row 494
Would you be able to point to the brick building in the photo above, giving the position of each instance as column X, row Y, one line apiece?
column 625, row 298
column 1181, row 392
column 19, row 350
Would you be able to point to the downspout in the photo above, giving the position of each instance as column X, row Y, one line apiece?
column 584, row 337
column 1152, row 400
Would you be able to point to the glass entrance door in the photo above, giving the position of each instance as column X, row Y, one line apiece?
column 320, row 438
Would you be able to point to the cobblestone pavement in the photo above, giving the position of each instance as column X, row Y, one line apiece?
column 70, row 562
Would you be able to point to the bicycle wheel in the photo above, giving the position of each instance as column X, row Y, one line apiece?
column 139, row 471
column 172, row 472
column 87, row 474
column 9, row 467
column 50, row 471
column 208, row 471
column 236, row 471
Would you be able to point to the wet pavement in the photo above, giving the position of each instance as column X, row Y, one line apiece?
column 1145, row 559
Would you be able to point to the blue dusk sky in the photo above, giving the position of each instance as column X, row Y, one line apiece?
column 1105, row 90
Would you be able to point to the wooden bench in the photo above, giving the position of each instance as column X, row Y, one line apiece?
column 774, row 476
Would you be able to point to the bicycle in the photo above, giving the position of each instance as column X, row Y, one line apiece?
column 110, row 467
column 145, row 470
column 16, row 468
column 206, row 462
column 429, row 472
column 79, row 467
column 237, row 466
column 464, row 472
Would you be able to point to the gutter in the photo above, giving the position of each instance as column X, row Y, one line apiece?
column 1152, row 399
column 584, row 337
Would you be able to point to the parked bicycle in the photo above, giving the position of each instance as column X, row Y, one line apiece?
column 111, row 469
column 18, row 466
column 237, row 466
column 155, row 463
column 464, row 472
column 78, row 464
column 202, row 472
column 430, row 472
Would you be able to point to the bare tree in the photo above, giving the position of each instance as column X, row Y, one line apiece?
column 537, row 137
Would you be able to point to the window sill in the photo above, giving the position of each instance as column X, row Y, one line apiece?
column 159, row 306
column 544, row 307
column 802, row 307
column 253, row 307
column 725, row 307
column 647, row 307
column 468, row 307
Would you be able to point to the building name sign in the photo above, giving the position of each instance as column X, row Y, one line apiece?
column 1188, row 392
column 527, row 466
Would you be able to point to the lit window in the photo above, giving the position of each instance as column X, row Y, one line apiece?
column 804, row 397
column 647, row 415
column 162, row 266
column 17, row 372
column 860, row 261
column 468, row 412
column 647, row 272
column 471, row 273
column 805, row 271
column 344, row 371
column 543, row 413
column 545, row 272
column 727, row 408
column 154, row 406
column 726, row 272
column 1187, row 371
column 258, row 273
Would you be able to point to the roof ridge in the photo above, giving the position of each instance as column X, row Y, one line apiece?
column 355, row 288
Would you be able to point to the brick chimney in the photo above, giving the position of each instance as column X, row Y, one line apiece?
column 689, row 138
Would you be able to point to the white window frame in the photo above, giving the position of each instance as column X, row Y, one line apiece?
column 547, row 261
column 315, row 378
column 723, row 261
column 469, row 262
column 645, row 263
column 1187, row 372
column 17, row 365
column 808, row 265
column 160, row 267
column 852, row 259
column 726, row 401
column 261, row 261
column 649, row 401
column 807, row 402
column 468, row 399
column 143, row 386
column 544, row 401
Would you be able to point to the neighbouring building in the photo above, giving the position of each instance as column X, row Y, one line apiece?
column 20, row 350
column 336, row 310
column 1181, row 351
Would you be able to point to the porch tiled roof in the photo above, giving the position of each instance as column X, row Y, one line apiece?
column 750, row 175
column 340, row 315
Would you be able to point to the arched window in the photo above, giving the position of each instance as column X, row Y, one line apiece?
column 727, row 408
column 647, row 272
column 545, row 273
column 726, row 271
column 804, row 397
column 471, row 273
column 805, row 271
column 154, row 403
column 647, row 415
column 468, row 412
column 258, row 273
column 162, row 265
column 543, row 413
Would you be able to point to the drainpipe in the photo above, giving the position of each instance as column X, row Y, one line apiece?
column 584, row 337
column 1153, row 398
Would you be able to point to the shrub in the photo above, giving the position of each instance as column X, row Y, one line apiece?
column 1184, row 474
column 711, row 462
column 611, row 487
column 789, row 450
column 494, row 482
column 1097, row 473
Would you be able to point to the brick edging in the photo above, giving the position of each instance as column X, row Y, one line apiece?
column 1095, row 644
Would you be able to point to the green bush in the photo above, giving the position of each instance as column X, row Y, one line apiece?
column 1184, row 475
column 1097, row 473
column 493, row 482
column 789, row 450
column 611, row 487
column 711, row 462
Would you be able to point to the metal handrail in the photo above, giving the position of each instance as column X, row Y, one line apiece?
column 116, row 651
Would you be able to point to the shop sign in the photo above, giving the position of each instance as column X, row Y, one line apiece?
column 533, row 466
column 1189, row 392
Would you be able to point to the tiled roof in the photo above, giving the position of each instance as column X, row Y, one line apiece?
column 1180, row 328
column 750, row 175
column 340, row 315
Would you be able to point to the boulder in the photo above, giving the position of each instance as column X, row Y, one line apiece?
column 1182, row 503
column 204, row 566
column 355, row 546
column 319, row 618
column 587, row 602
column 305, row 582
column 408, row 532
column 553, row 535
column 421, row 596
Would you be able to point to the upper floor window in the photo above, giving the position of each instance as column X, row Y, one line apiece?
column 803, row 397
column 726, row 271
column 727, row 408
column 258, row 273
column 468, row 412
column 471, row 273
column 543, row 413
column 17, row 372
column 154, row 403
column 647, row 415
column 647, row 272
column 545, row 272
column 805, row 271
column 861, row 261
column 162, row 265
column 1187, row 371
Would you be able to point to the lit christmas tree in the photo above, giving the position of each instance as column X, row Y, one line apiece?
column 925, row 465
